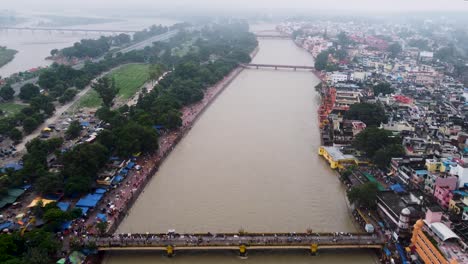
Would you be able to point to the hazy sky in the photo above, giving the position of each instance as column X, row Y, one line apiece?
column 354, row 5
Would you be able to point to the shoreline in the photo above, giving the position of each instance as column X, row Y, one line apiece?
column 8, row 55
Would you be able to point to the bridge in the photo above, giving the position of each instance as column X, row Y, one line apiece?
column 242, row 242
column 276, row 66
column 272, row 36
column 69, row 29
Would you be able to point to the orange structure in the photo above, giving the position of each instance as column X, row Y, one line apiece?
column 424, row 247
column 328, row 101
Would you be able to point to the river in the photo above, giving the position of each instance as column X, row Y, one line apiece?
column 34, row 47
column 249, row 162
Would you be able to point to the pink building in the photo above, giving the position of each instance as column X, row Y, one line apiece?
column 433, row 215
column 443, row 190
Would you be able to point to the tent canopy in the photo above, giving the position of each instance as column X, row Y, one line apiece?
column 37, row 199
column 442, row 231
column 63, row 206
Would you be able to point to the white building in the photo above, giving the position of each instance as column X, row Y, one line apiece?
column 338, row 77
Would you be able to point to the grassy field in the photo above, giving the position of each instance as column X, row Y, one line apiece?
column 6, row 55
column 90, row 100
column 11, row 108
column 128, row 79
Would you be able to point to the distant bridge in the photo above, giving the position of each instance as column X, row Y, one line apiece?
column 272, row 36
column 210, row 242
column 276, row 66
column 69, row 29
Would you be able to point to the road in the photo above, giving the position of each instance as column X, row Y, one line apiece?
column 149, row 42
column 59, row 111
column 137, row 46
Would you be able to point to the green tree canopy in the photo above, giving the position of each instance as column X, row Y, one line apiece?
column 364, row 195
column 6, row 92
column 394, row 49
column 106, row 89
column 74, row 129
column 370, row 114
column 28, row 91
column 383, row 88
column 372, row 139
column 321, row 61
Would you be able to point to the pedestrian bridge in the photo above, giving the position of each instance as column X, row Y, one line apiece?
column 209, row 242
column 276, row 66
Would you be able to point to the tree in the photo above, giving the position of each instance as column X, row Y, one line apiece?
column 372, row 139
column 15, row 134
column 54, row 52
column 106, row 89
column 370, row 114
column 133, row 138
column 6, row 92
column 394, row 49
column 28, row 91
column 383, row 88
column 49, row 183
column 68, row 95
column 74, row 130
column 321, row 61
column 102, row 227
column 364, row 195
column 343, row 39
column 383, row 156
column 29, row 124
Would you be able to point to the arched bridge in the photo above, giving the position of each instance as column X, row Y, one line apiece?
column 276, row 66
column 244, row 242
column 69, row 29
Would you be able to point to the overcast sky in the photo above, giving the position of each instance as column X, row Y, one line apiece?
column 354, row 5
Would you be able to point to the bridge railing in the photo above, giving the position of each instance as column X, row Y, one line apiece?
column 224, row 240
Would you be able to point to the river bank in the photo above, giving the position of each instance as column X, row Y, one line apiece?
column 6, row 55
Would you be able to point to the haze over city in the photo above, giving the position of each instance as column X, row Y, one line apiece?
column 330, row 5
column 233, row 131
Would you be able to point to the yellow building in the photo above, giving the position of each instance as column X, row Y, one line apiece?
column 335, row 157
column 434, row 165
column 424, row 247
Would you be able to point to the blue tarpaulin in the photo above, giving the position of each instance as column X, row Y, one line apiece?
column 387, row 252
column 26, row 187
column 397, row 188
column 89, row 200
column 130, row 165
column 114, row 158
column 63, row 206
column 402, row 253
column 117, row 179
column 85, row 123
column 5, row 225
column 66, row 225
column 124, row 171
column 100, row 191
column 14, row 166
column 102, row 217
column 84, row 210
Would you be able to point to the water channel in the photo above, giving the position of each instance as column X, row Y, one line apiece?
column 34, row 46
column 249, row 162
